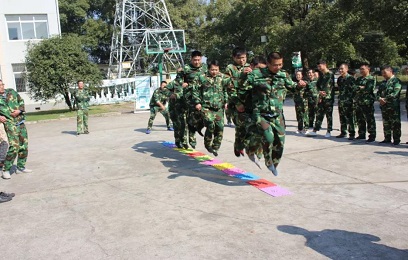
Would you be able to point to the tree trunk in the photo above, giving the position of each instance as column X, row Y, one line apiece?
column 68, row 101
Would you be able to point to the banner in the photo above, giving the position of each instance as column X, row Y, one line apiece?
column 296, row 60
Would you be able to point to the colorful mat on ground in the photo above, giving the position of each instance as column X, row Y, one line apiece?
column 229, row 169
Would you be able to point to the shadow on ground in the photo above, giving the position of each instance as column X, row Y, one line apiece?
column 181, row 165
column 341, row 244
column 401, row 153
column 69, row 132
column 155, row 128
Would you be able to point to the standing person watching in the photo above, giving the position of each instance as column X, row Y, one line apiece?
column 302, row 115
column 312, row 97
column 82, row 98
column 324, row 85
column 345, row 85
column 12, row 116
column 158, row 104
column 389, row 97
column 364, row 101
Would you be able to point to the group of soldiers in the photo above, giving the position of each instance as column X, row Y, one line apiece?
column 355, row 103
column 13, row 135
column 252, row 94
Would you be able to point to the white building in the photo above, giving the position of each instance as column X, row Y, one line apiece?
column 22, row 21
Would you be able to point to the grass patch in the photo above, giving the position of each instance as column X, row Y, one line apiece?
column 66, row 113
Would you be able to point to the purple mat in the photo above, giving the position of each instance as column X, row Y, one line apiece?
column 276, row 191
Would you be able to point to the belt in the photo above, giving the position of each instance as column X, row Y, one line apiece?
column 270, row 115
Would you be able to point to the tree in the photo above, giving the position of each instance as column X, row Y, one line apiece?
column 56, row 64
column 92, row 21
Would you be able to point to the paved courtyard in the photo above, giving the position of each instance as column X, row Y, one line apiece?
column 118, row 193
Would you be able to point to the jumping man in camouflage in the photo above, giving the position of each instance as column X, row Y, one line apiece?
column 210, row 97
column 345, row 85
column 324, row 85
column 364, row 101
column 270, row 85
column 238, row 95
column 82, row 99
column 158, row 104
column 187, row 79
column 389, row 97
column 177, row 112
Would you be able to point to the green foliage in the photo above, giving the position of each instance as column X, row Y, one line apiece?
column 56, row 64
column 92, row 21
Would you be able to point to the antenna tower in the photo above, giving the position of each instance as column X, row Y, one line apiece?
column 135, row 21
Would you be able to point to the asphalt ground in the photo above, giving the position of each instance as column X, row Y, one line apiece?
column 118, row 193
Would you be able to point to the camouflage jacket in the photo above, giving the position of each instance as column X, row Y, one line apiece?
column 82, row 98
column 364, row 96
column 238, row 91
column 299, row 94
column 159, row 95
column 269, row 90
column 14, row 101
column 311, row 90
column 326, row 83
column 189, row 74
column 390, row 90
column 5, row 110
column 345, row 85
column 211, row 92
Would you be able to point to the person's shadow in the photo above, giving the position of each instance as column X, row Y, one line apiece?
column 69, row 132
column 181, row 165
column 341, row 244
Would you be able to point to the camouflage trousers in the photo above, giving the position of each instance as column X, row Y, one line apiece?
column 153, row 112
column 82, row 120
column 3, row 144
column 18, row 145
column 391, row 122
column 214, row 123
column 267, row 136
column 177, row 116
column 239, row 119
column 312, row 110
column 195, row 123
column 324, row 108
column 366, row 120
column 346, row 114
column 302, row 115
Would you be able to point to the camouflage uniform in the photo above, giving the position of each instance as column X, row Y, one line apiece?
column 301, row 108
column 238, row 95
column 15, row 129
column 312, row 98
column 391, row 113
column 159, row 95
column 211, row 93
column 364, row 103
column 177, row 113
column 194, row 119
column 267, row 124
column 325, row 104
column 82, row 99
column 345, row 86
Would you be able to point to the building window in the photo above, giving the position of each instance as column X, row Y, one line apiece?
column 19, row 79
column 27, row 27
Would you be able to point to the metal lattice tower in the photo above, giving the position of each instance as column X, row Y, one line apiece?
column 133, row 18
